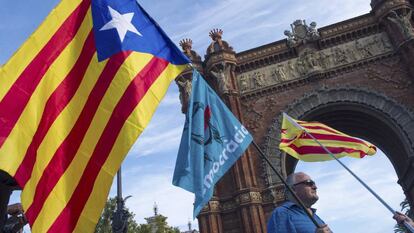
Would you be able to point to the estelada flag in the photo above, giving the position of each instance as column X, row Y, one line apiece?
column 297, row 142
column 73, row 100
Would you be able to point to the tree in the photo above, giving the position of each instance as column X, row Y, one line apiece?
column 405, row 208
column 105, row 221
column 157, row 223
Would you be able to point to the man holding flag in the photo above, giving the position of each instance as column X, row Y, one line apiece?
column 290, row 217
column 310, row 142
column 314, row 141
column 73, row 100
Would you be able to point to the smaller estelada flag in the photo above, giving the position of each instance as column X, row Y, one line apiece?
column 296, row 141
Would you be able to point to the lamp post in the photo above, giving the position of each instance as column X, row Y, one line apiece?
column 120, row 217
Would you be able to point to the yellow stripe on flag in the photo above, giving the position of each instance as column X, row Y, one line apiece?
column 25, row 54
column 20, row 137
column 317, row 157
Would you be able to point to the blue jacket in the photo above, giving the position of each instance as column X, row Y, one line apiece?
column 291, row 218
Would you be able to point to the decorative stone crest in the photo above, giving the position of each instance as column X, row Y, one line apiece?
column 301, row 33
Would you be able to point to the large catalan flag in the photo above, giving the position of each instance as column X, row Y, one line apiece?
column 296, row 140
column 73, row 100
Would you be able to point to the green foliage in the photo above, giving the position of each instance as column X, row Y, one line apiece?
column 158, row 222
column 104, row 223
column 405, row 209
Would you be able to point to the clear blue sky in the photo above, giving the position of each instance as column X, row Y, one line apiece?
column 148, row 169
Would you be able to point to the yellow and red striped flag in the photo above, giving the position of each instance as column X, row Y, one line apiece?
column 296, row 141
column 73, row 100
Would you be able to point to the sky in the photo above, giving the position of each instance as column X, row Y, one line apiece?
column 147, row 171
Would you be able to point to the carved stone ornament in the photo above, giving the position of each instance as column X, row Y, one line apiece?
column 214, row 206
column 278, row 193
column 255, row 197
column 187, row 45
column 403, row 22
column 259, row 79
column 222, row 76
column 184, row 86
column 218, row 44
column 250, row 197
column 310, row 61
column 301, row 33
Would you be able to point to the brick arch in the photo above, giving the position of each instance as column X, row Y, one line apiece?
column 359, row 112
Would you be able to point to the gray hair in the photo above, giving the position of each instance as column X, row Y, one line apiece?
column 291, row 180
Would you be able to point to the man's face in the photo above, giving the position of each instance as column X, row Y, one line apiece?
column 305, row 189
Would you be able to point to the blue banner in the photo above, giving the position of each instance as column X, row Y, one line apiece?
column 212, row 141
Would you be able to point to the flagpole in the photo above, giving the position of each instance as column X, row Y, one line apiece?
column 119, row 218
column 286, row 185
column 408, row 226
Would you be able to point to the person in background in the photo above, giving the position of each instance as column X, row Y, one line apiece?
column 290, row 217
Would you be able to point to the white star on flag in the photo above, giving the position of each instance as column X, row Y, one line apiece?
column 122, row 23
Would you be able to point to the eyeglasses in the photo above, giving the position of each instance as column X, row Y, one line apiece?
column 309, row 183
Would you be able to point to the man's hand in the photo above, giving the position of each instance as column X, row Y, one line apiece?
column 401, row 218
column 323, row 229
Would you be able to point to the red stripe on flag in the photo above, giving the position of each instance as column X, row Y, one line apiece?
column 59, row 99
column 318, row 136
column 69, row 147
column 304, row 150
column 68, row 218
column 320, row 127
column 16, row 99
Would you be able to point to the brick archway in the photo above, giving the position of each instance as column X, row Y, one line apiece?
column 361, row 113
